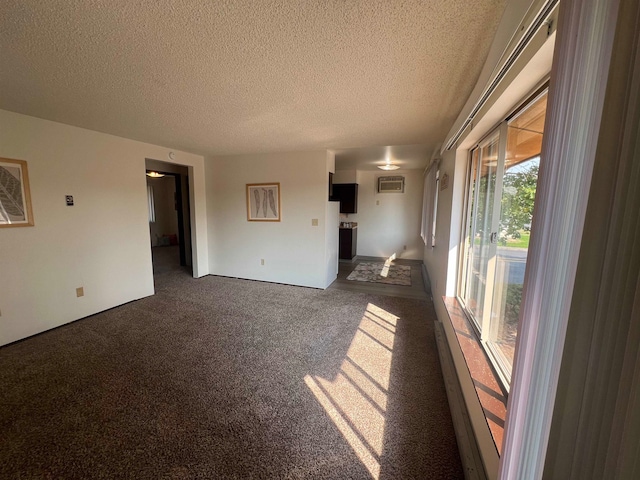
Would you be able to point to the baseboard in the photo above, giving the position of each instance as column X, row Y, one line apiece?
column 467, row 446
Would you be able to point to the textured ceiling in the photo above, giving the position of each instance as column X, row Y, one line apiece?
column 247, row 76
column 368, row 158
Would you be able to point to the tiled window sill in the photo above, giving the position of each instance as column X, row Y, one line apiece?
column 485, row 381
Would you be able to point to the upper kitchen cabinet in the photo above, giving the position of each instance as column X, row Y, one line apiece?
column 347, row 195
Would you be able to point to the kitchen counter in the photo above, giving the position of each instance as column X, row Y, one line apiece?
column 348, row 225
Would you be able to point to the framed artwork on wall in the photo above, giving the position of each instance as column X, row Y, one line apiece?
column 263, row 202
column 15, row 197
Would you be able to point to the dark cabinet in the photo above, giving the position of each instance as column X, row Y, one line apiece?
column 347, row 195
column 336, row 190
column 347, row 243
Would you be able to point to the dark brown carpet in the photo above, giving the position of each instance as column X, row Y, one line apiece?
column 210, row 378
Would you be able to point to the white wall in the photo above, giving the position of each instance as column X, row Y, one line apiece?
column 102, row 243
column 294, row 251
column 345, row 176
column 389, row 221
column 441, row 261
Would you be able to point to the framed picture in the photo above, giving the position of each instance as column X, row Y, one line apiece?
column 15, row 197
column 263, row 202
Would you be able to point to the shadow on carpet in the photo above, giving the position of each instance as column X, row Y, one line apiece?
column 227, row 378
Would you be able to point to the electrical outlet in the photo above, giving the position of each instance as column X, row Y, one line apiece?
column 262, row 261
column 314, row 222
column 80, row 292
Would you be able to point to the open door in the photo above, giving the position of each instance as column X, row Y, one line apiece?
column 169, row 216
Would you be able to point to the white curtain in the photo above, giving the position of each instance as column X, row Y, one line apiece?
column 151, row 204
column 428, row 204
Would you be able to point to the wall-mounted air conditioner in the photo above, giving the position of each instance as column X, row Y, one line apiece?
column 391, row 184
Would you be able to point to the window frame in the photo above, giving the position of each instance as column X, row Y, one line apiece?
column 496, row 358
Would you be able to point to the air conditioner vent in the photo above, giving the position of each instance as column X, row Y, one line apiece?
column 393, row 184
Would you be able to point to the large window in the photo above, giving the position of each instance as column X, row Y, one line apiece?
column 503, row 173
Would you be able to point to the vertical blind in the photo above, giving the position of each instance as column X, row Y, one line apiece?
column 151, row 204
column 427, row 230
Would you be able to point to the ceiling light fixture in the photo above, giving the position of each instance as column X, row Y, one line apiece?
column 388, row 166
column 155, row 174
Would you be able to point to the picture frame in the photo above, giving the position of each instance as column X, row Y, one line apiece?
column 263, row 202
column 15, row 195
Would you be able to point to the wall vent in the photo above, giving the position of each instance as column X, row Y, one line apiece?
column 391, row 184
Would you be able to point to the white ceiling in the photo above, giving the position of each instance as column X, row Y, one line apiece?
column 249, row 76
column 368, row 158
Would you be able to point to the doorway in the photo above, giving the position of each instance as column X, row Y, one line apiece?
column 169, row 216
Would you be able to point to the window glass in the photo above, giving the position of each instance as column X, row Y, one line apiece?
column 522, row 162
column 502, row 187
column 480, row 250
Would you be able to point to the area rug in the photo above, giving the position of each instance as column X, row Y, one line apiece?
column 370, row 272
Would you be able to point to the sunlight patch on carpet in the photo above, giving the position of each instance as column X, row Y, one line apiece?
column 356, row 400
